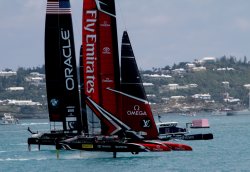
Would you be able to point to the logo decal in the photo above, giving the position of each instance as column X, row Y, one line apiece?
column 106, row 50
column 107, row 80
column 54, row 102
column 90, row 50
column 71, row 123
column 137, row 111
column 67, row 54
column 70, row 110
column 146, row 123
column 105, row 24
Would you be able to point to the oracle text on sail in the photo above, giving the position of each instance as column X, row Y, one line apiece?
column 67, row 54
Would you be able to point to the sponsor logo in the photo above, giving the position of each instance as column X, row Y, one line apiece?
column 136, row 111
column 54, row 102
column 105, row 24
column 88, row 146
column 67, row 54
column 90, row 49
column 104, row 146
column 106, row 50
column 121, row 147
column 107, row 80
column 146, row 123
column 71, row 123
column 158, row 148
column 70, row 110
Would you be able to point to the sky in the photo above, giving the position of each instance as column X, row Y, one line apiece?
column 162, row 32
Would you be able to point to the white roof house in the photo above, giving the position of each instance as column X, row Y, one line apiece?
column 202, row 96
column 7, row 73
column 208, row 59
column 23, row 102
column 147, row 84
column 15, row 88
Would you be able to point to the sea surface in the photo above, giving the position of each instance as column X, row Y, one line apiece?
column 228, row 151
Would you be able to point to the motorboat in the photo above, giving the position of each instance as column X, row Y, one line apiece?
column 170, row 130
column 9, row 119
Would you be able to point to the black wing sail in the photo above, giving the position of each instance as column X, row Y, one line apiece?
column 131, row 82
column 60, row 68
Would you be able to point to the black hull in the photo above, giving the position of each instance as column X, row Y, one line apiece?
column 208, row 136
column 99, row 143
column 49, row 139
column 86, row 143
column 95, row 145
column 104, row 147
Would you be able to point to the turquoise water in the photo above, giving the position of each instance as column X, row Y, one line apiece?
column 228, row 151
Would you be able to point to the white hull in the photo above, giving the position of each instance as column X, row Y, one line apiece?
column 8, row 119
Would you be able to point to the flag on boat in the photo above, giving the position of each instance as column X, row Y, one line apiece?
column 58, row 7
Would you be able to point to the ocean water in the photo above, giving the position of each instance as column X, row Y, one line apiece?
column 228, row 151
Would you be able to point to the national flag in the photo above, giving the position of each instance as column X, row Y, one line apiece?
column 58, row 7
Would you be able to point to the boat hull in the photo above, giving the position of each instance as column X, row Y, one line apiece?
column 116, row 145
column 9, row 119
column 106, row 144
column 47, row 139
column 207, row 136
column 103, row 143
column 178, row 146
column 105, row 147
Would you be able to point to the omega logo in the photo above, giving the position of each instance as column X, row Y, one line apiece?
column 137, row 111
column 137, row 107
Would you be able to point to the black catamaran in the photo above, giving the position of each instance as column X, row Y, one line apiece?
column 61, row 76
column 60, row 68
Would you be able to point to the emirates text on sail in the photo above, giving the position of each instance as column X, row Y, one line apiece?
column 90, row 51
